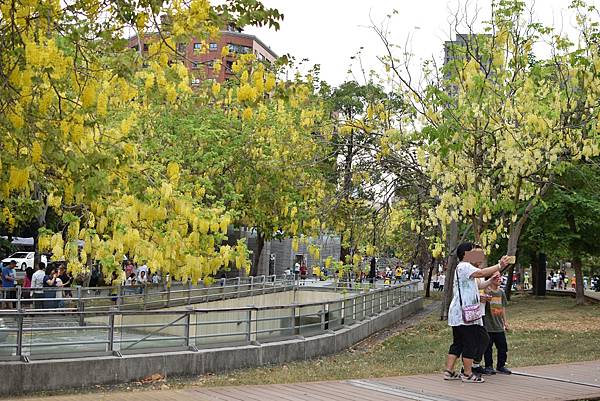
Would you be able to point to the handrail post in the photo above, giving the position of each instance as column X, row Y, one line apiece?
column 80, row 306
column 323, row 313
column 249, row 326
column 111, row 332
column 264, row 282
column 168, row 295
column 145, row 296
column 120, row 297
column 19, row 294
column 295, row 330
column 19, row 350
column 187, row 328
column 189, row 291
column 237, row 288
column 251, row 285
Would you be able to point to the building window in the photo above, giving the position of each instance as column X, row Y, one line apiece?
column 210, row 63
column 240, row 49
column 229, row 66
column 213, row 47
column 195, row 65
column 195, row 81
column 181, row 47
column 197, row 46
column 145, row 47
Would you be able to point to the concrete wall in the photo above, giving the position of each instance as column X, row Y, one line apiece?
column 279, row 323
column 20, row 377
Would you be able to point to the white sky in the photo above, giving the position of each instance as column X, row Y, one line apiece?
column 329, row 32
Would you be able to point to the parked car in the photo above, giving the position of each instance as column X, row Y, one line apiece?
column 23, row 259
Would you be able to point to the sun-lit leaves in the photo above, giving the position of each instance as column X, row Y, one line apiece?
column 72, row 94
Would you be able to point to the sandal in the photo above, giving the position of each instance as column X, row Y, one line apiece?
column 472, row 379
column 449, row 375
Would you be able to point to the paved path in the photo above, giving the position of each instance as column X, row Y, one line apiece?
column 588, row 293
column 593, row 294
column 574, row 381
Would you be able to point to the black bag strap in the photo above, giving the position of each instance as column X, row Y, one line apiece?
column 458, row 285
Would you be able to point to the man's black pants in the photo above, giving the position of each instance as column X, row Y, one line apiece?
column 500, row 340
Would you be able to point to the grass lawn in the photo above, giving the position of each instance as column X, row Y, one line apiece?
column 544, row 331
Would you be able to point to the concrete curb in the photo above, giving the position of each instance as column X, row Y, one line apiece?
column 44, row 375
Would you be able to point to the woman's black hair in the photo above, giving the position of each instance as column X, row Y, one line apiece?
column 465, row 247
column 29, row 272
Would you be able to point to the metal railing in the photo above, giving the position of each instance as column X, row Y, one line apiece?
column 148, row 296
column 33, row 334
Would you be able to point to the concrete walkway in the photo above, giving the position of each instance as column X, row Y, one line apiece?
column 574, row 381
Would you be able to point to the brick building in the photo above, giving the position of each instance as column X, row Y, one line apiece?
column 199, row 61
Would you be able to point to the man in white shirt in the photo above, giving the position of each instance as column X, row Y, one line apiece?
column 37, row 282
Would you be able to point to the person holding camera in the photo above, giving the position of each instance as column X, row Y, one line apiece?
column 469, row 337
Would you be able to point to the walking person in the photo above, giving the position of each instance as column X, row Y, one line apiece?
column 114, row 289
column 496, row 326
column 50, row 281
column 26, row 293
column 67, row 280
column 442, row 281
column 398, row 275
column 37, row 283
column 9, row 283
column 464, row 315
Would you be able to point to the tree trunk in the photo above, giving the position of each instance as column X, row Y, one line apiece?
column 260, row 244
column 535, row 273
column 37, row 195
column 428, row 285
column 451, row 244
column 540, row 263
column 513, row 242
column 509, row 282
column 579, row 295
column 579, row 292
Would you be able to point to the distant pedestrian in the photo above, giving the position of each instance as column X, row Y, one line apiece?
column 442, row 281
column 50, row 281
column 114, row 287
column 26, row 294
column 37, row 282
column 398, row 275
column 9, row 282
column 67, row 280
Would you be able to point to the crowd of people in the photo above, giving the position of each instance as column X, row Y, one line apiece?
column 477, row 317
column 49, row 286
column 45, row 288
column 560, row 281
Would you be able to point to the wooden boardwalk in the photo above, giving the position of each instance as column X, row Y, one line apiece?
column 574, row 381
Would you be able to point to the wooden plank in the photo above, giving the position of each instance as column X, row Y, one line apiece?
column 229, row 394
column 359, row 394
column 237, row 393
column 305, row 391
column 500, row 387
